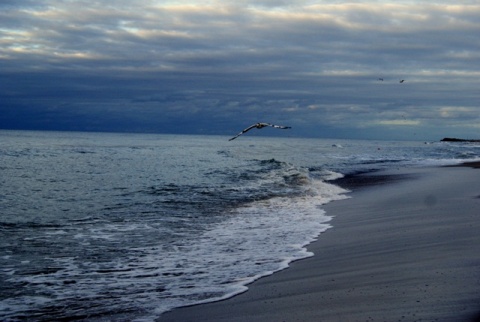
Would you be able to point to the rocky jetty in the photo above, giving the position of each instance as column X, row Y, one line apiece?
column 458, row 140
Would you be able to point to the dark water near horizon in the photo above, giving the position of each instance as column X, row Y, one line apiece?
column 103, row 226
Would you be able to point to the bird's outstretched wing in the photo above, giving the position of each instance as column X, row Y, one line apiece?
column 259, row 126
column 244, row 131
column 280, row 126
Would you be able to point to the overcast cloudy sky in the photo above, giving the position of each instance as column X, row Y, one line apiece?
column 213, row 67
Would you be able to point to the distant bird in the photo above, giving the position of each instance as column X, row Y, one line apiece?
column 380, row 79
column 402, row 81
column 259, row 126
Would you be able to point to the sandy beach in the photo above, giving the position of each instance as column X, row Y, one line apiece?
column 405, row 247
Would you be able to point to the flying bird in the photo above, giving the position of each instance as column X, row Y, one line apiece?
column 402, row 81
column 380, row 79
column 259, row 126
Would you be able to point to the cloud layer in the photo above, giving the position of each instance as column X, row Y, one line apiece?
column 210, row 66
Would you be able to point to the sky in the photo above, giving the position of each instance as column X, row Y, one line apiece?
column 215, row 67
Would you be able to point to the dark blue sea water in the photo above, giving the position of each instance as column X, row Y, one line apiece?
column 99, row 226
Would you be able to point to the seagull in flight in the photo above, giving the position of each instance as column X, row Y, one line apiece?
column 259, row 126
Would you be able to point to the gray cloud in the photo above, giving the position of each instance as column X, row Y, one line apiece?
column 149, row 65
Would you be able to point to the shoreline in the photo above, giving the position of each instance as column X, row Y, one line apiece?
column 405, row 247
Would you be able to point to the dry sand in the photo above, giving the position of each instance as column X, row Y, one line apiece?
column 406, row 248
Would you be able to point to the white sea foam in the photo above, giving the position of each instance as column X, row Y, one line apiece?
column 331, row 175
column 259, row 239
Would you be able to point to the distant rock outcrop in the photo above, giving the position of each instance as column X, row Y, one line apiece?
column 458, row 140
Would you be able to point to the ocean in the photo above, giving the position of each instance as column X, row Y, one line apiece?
column 124, row 227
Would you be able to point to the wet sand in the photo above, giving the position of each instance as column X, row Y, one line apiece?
column 405, row 247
